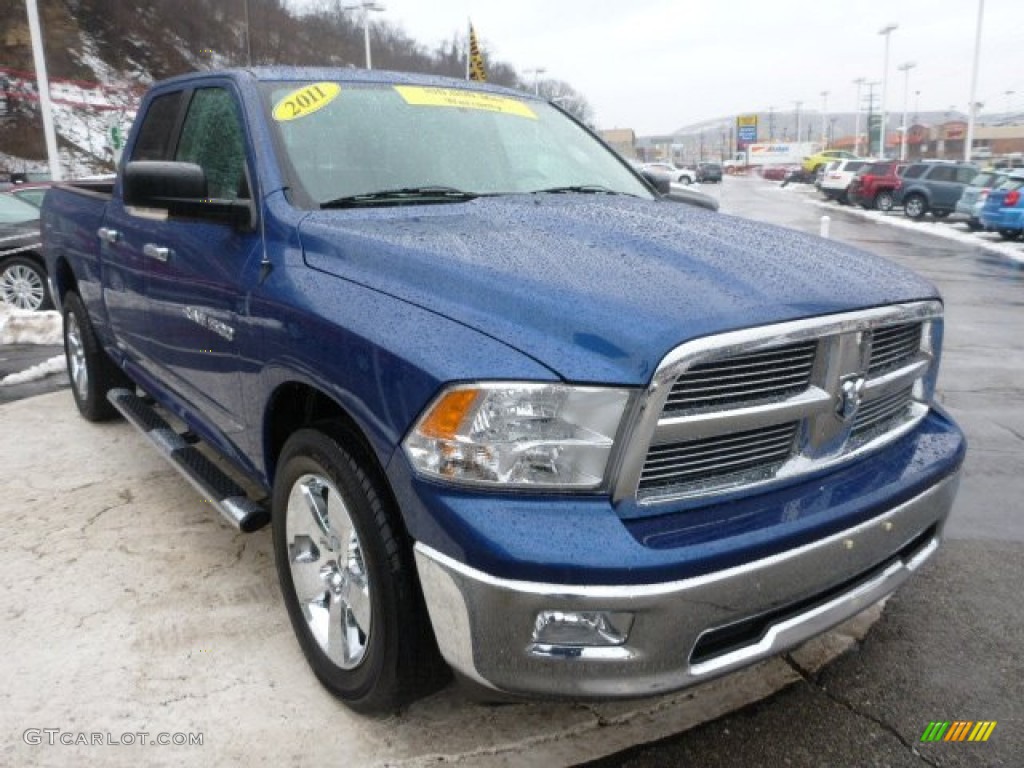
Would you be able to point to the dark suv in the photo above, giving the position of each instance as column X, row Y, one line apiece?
column 709, row 172
column 933, row 187
column 874, row 184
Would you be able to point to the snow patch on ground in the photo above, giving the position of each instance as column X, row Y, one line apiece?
column 950, row 230
column 956, row 231
column 39, row 371
column 22, row 326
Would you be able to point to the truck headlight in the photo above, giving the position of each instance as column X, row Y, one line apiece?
column 511, row 434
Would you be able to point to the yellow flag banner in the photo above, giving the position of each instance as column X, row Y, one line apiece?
column 476, row 59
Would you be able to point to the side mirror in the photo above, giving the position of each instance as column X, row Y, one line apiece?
column 181, row 190
column 692, row 197
column 659, row 181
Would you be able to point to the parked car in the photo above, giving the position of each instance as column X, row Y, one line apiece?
column 1004, row 208
column 674, row 173
column 32, row 194
column 709, row 172
column 838, row 175
column 818, row 161
column 973, row 197
column 776, row 172
column 22, row 270
column 933, row 187
column 874, row 185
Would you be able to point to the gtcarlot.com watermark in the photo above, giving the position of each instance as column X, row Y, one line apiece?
column 53, row 737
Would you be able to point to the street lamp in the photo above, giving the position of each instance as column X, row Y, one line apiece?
column 536, row 72
column 824, row 118
column 972, row 105
column 856, row 117
column 886, row 30
column 905, row 69
column 366, row 6
column 798, row 104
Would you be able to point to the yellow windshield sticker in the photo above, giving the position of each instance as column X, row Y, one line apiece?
column 305, row 101
column 453, row 97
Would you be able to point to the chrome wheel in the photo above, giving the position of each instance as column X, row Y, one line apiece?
column 328, row 572
column 22, row 286
column 77, row 366
column 914, row 207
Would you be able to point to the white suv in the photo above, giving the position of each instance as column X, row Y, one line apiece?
column 678, row 175
column 835, row 181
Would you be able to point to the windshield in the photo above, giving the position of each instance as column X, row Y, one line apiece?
column 343, row 140
column 15, row 211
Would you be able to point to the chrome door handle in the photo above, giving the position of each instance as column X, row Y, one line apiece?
column 158, row 252
column 108, row 235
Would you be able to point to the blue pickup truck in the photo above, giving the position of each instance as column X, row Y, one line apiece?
column 509, row 411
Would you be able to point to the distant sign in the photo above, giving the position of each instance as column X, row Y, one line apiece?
column 746, row 130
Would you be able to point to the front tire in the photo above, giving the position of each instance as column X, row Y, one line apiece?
column 915, row 207
column 347, row 576
column 91, row 371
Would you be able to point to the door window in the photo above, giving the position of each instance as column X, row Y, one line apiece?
column 212, row 138
column 157, row 127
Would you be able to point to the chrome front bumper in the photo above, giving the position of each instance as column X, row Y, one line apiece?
column 683, row 632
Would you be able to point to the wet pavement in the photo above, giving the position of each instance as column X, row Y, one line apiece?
column 948, row 646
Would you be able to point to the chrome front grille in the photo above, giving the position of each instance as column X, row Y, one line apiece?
column 698, row 461
column 893, row 346
column 756, row 376
column 751, row 407
column 879, row 414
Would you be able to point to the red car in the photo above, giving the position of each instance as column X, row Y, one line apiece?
column 874, row 184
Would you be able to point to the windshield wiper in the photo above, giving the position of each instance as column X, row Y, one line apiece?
column 583, row 189
column 428, row 194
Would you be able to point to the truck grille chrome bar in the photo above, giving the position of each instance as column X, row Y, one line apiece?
column 752, row 407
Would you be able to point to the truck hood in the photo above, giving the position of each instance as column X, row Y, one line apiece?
column 598, row 288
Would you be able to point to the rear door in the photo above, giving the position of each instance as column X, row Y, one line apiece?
column 943, row 185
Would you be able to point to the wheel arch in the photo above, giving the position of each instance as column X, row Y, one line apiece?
column 296, row 405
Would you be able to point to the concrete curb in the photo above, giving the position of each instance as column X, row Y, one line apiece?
column 129, row 607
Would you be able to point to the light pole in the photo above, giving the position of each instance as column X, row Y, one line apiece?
column 536, row 72
column 43, row 86
column 798, row 104
column 366, row 6
column 856, row 117
column 972, row 105
column 248, row 38
column 905, row 69
column 886, row 31
column 824, row 118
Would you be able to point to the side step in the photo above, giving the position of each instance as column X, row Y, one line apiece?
column 210, row 480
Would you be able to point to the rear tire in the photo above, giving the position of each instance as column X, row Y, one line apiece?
column 91, row 371
column 915, row 207
column 1010, row 234
column 883, row 201
column 347, row 575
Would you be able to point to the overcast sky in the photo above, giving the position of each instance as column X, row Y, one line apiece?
column 656, row 65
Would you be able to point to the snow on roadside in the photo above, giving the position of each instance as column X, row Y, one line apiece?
column 39, row 371
column 22, row 326
column 990, row 241
column 949, row 230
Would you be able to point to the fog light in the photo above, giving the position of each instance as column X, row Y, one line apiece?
column 582, row 628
